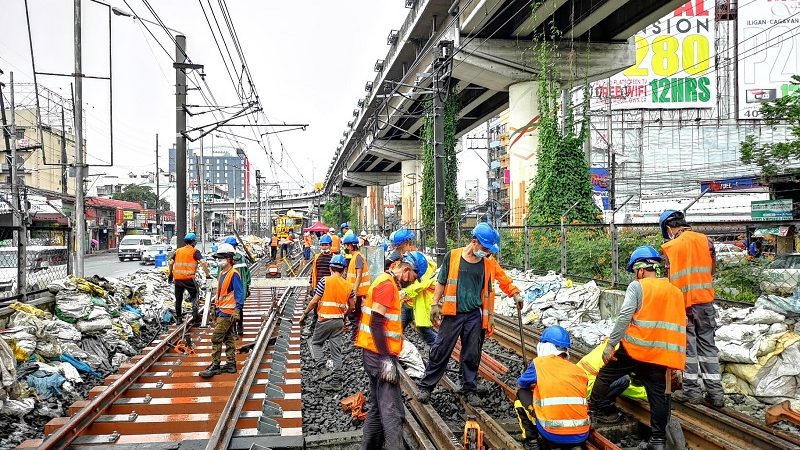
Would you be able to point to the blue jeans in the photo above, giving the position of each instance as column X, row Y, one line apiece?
column 306, row 253
column 428, row 334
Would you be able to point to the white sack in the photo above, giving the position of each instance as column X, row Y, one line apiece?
column 411, row 360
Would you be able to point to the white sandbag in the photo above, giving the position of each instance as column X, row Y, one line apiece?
column 98, row 312
column 28, row 322
column 733, row 385
column 61, row 330
column 769, row 343
column 789, row 306
column 23, row 339
column 737, row 352
column 93, row 326
column 780, row 376
column 119, row 359
column 411, row 360
column 74, row 304
column 48, row 348
column 8, row 366
column 761, row 315
column 68, row 370
column 740, row 333
column 18, row 408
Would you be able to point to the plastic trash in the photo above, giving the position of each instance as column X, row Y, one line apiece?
column 80, row 366
column 46, row 384
column 8, row 366
column 18, row 408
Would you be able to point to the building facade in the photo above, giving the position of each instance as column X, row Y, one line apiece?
column 219, row 166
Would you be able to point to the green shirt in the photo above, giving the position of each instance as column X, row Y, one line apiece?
column 470, row 283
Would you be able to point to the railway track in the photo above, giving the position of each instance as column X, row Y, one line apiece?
column 158, row 397
column 703, row 427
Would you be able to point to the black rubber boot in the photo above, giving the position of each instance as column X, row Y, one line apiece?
column 212, row 370
column 229, row 367
column 654, row 444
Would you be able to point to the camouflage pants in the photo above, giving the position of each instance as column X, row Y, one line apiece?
column 224, row 332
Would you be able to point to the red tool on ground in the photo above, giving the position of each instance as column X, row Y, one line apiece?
column 354, row 404
column 782, row 411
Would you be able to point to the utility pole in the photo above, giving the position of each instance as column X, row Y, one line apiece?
column 64, row 179
column 444, row 51
column 180, row 143
column 611, row 157
column 158, row 193
column 80, row 219
column 258, row 201
column 19, row 217
column 201, row 179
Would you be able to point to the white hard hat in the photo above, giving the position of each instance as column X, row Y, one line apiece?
column 224, row 251
column 332, row 230
column 306, row 234
column 363, row 233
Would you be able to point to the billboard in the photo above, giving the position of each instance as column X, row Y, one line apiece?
column 764, row 210
column 674, row 65
column 600, row 178
column 768, row 53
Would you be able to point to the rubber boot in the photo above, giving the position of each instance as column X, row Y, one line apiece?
column 229, row 367
column 654, row 444
column 211, row 370
column 681, row 397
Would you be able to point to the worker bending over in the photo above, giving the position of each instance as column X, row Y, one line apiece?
column 689, row 258
column 380, row 335
column 242, row 265
column 358, row 276
column 591, row 364
column 551, row 399
column 227, row 311
column 333, row 298
column 464, row 294
column 403, row 241
column 651, row 331
column 182, row 269
column 417, row 300
column 320, row 268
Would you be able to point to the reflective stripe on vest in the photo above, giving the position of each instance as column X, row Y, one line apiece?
column 226, row 300
column 449, row 298
column 690, row 267
column 184, row 266
column 351, row 274
column 333, row 303
column 559, row 396
column 394, row 326
column 657, row 332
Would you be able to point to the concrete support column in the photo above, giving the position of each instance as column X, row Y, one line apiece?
column 411, row 193
column 523, row 143
column 374, row 210
column 357, row 205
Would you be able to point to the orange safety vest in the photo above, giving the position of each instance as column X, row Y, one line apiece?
column 226, row 301
column 184, row 266
column 491, row 270
column 335, row 244
column 657, row 333
column 306, row 241
column 333, row 303
column 351, row 274
column 274, row 241
column 559, row 396
column 690, row 267
column 394, row 326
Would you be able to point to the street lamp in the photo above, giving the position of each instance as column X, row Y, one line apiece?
column 123, row 13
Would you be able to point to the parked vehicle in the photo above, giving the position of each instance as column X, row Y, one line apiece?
column 729, row 253
column 133, row 247
column 149, row 256
column 43, row 263
column 782, row 275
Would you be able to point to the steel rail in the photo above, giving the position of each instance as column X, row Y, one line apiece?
column 414, row 435
column 438, row 431
column 66, row 434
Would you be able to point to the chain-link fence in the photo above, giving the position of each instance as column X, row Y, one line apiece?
column 46, row 259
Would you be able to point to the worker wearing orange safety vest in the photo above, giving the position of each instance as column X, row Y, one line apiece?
column 551, row 400
column 227, row 311
column 689, row 258
column 336, row 241
column 307, row 246
column 333, row 298
column 182, row 268
column 320, row 268
column 380, row 336
column 357, row 275
column 464, row 295
column 273, row 247
column 651, row 331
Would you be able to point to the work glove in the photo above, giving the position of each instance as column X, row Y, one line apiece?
column 608, row 354
column 520, row 303
column 236, row 316
column 388, row 371
column 436, row 312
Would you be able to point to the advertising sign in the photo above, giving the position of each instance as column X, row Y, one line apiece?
column 128, row 215
column 599, row 178
column 674, row 65
column 768, row 52
column 763, row 210
column 730, row 184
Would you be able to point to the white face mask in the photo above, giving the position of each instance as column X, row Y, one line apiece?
column 223, row 263
column 480, row 254
column 325, row 251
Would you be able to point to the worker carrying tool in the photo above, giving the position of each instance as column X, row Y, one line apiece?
column 182, row 269
column 651, row 331
column 690, row 262
column 241, row 262
column 336, row 241
column 333, row 298
column 227, row 311
column 273, row 247
column 358, row 276
column 403, row 240
column 380, row 336
column 551, row 400
column 320, row 268
column 417, row 301
column 464, row 295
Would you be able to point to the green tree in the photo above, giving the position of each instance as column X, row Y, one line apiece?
column 770, row 157
column 338, row 209
column 141, row 194
column 452, row 205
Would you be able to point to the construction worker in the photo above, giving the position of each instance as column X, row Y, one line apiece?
column 380, row 336
column 403, row 241
column 358, row 276
column 242, row 264
column 465, row 296
column 273, row 247
column 417, row 300
column 362, row 239
column 284, row 245
column 333, row 298
column 320, row 268
column 551, row 399
column 344, row 228
column 227, row 311
column 182, row 269
column 306, row 246
column 651, row 331
column 690, row 262
column 336, row 241
column 591, row 364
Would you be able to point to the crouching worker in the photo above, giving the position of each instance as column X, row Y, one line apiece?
column 591, row 365
column 333, row 298
column 227, row 311
column 551, row 400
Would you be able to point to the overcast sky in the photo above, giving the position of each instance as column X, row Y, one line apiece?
column 309, row 60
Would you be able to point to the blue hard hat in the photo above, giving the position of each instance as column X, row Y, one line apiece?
column 644, row 252
column 345, row 225
column 339, row 261
column 325, row 239
column 402, row 236
column 231, row 240
column 666, row 215
column 418, row 261
column 557, row 336
column 487, row 236
column 190, row 237
column 350, row 238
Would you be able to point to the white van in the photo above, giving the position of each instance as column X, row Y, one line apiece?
column 133, row 247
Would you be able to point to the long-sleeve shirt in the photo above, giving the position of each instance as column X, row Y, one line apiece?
column 631, row 304
column 237, row 286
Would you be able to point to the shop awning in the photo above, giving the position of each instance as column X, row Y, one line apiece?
column 318, row 227
column 775, row 231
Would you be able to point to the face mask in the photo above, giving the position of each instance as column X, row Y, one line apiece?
column 325, row 251
column 223, row 263
column 481, row 254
